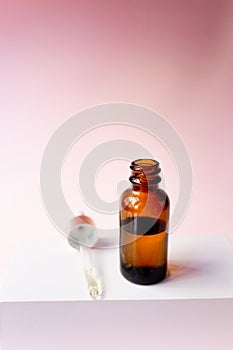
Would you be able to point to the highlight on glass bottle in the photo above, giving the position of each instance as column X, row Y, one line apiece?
column 144, row 218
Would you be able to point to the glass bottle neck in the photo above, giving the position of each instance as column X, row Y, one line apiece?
column 145, row 174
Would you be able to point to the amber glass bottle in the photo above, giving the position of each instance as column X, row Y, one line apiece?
column 144, row 216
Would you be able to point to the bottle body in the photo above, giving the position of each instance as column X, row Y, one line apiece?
column 144, row 217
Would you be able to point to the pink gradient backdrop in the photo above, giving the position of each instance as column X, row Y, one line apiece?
column 58, row 58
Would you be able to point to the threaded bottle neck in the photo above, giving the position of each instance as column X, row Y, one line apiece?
column 145, row 173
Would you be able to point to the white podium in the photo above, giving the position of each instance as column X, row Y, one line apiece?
column 45, row 302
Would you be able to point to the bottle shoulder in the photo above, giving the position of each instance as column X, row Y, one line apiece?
column 158, row 195
column 163, row 195
column 126, row 193
column 158, row 192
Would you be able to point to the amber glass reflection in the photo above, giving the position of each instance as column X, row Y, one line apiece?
column 144, row 216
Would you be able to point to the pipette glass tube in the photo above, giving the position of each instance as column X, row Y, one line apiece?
column 91, row 274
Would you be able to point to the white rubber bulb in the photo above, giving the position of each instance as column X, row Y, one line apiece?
column 83, row 235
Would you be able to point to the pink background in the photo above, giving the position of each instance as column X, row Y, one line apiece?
column 58, row 58
column 172, row 56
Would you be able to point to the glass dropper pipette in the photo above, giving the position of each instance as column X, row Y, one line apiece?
column 83, row 237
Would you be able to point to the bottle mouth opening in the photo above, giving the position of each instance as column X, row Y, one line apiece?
column 144, row 163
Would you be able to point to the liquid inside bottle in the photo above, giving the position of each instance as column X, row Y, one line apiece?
column 144, row 233
column 144, row 250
